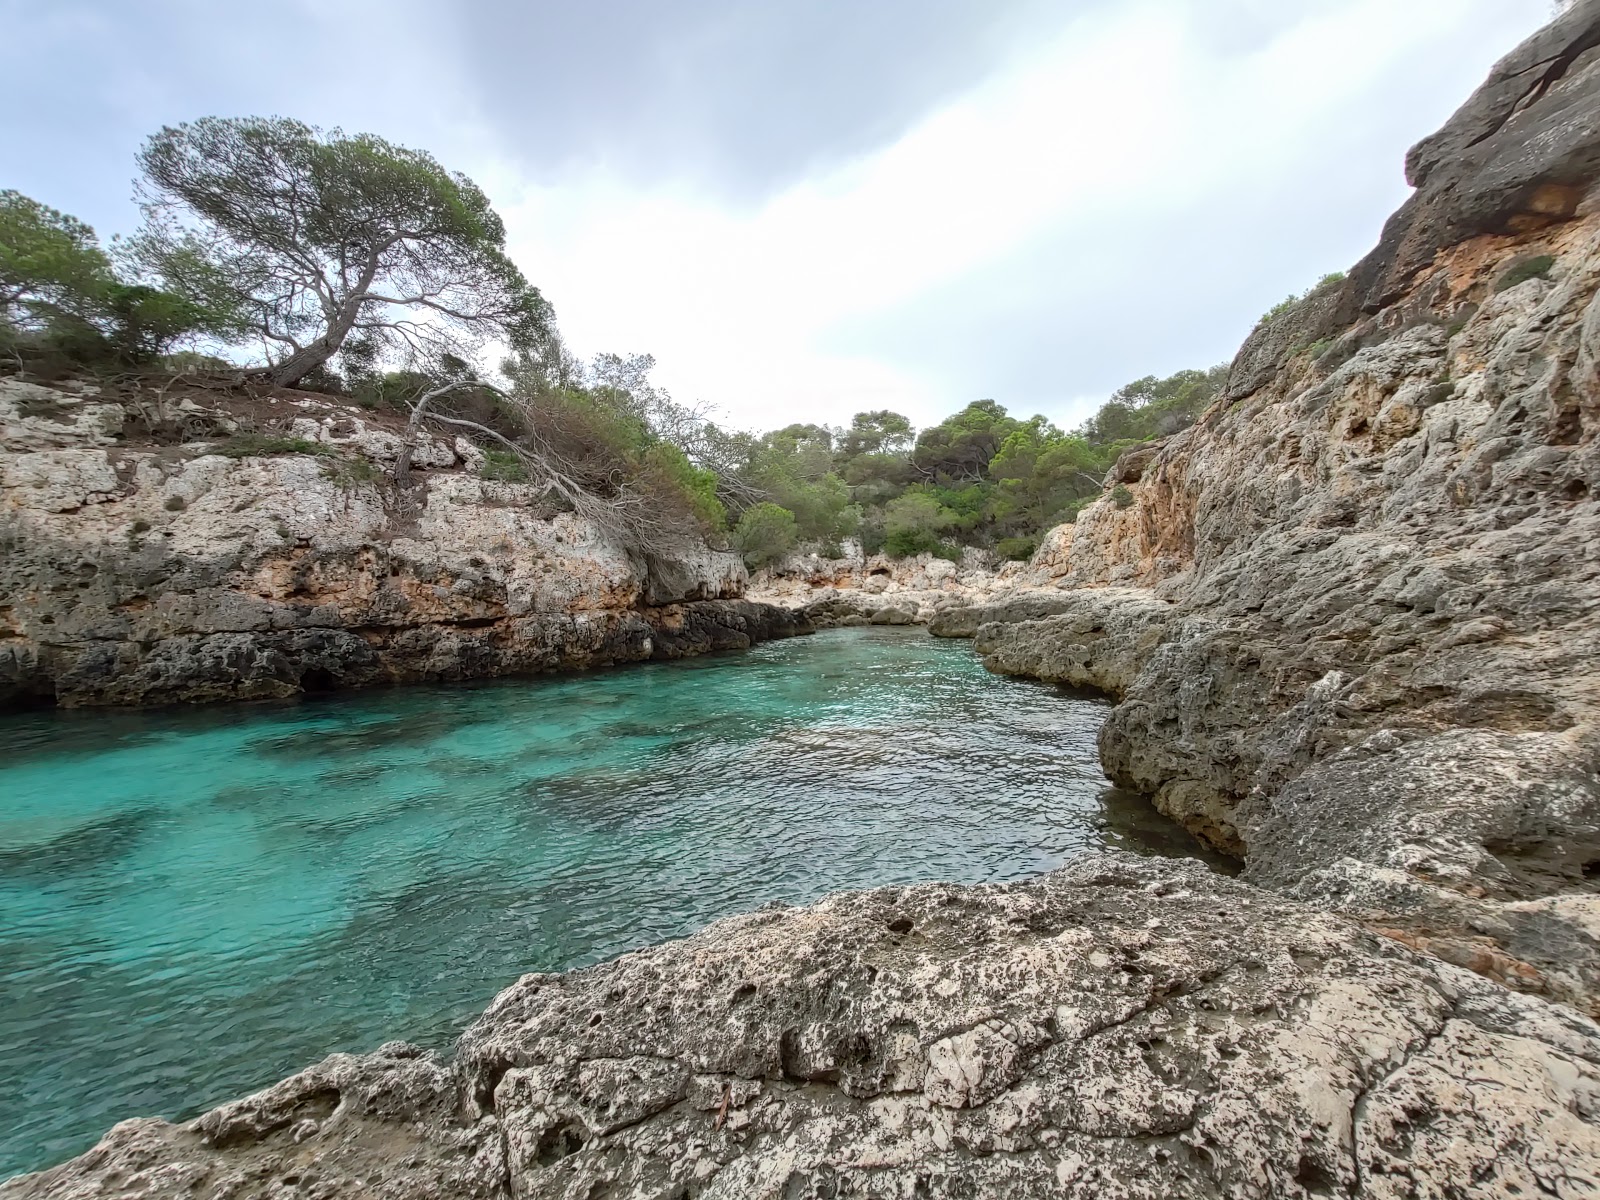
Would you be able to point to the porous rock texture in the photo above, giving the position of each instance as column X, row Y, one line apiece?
column 862, row 589
column 1351, row 619
column 1123, row 1028
column 1353, row 614
column 135, row 572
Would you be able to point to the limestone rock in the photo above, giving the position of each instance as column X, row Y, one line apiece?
column 1352, row 615
column 1520, row 155
column 877, row 590
column 1124, row 1028
column 138, row 573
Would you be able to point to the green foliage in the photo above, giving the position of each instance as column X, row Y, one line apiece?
column 1289, row 303
column 47, row 259
column 353, row 472
column 503, row 466
column 794, row 469
column 765, row 533
column 59, row 294
column 306, row 239
column 1537, row 267
column 695, row 485
column 1121, row 496
column 1286, row 305
column 979, row 478
column 960, row 448
column 256, row 445
column 876, row 434
column 1017, row 549
column 914, row 522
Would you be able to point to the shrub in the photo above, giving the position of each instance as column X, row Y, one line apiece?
column 913, row 524
column 59, row 294
column 1537, row 267
column 175, row 504
column 695, row 487
column 1017, row 549
column 1288, row 303
column 503, row 466
column 142, row 526
column 255, row 445
column 765, row 533
column 353, row 472
column 906, row 543
column 1121, row 496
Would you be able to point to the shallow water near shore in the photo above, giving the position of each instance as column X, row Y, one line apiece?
column 195, row 903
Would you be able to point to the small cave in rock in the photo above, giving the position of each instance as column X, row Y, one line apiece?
column 318, row 681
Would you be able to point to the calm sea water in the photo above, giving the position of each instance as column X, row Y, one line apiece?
column 196, row 903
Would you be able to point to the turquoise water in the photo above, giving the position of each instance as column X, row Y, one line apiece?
column 197, row 902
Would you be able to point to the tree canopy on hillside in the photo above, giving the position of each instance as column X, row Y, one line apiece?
column 313, row 238
column 981, row 477
column 58, row 288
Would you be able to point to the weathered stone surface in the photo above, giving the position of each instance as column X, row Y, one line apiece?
column 1353, row 614
column 134, row 573
column 1522, row 154
column 1122, row 1028
column 864, row 589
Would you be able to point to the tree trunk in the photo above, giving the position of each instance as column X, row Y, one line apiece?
column 302, row 362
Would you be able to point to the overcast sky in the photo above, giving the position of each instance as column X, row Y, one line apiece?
column 804, row 208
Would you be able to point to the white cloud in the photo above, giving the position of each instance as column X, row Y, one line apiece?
column 1118, row 124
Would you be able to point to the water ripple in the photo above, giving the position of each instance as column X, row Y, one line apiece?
column 197, row 902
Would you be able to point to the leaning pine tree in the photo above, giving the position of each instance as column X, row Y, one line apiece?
column 317, row 238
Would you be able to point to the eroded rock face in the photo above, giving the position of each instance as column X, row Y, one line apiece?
column 1122, row 1028
column 135, row 573
column 862, row 589
column 1353, row 614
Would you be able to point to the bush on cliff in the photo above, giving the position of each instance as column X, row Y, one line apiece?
column 1537, row 267
column 765, row 533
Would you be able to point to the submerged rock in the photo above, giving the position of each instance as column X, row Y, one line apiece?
column 1122, row 1028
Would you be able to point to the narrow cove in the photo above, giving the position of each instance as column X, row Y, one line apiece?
column 197, row 902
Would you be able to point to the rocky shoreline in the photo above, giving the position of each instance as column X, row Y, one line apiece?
column 1351, row 620
column 1125, row 1028
column 240, row 566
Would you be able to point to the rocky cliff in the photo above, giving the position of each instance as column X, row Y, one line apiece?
column 1353, row 614
column 211, row 545
column 1351, row 620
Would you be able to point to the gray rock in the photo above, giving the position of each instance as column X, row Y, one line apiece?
column 1122, row 1028
column 1520, row 155
column 141, row 574
column 1391, row 543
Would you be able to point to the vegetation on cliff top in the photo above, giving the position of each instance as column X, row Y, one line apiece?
column 277, row 252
